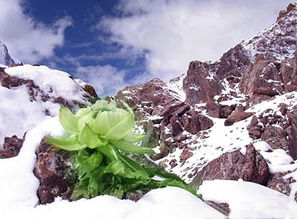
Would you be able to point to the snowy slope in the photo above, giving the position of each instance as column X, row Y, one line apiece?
column 241, row 198
column 31, row 94
column 5, row 58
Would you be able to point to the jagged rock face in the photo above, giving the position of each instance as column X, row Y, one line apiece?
column 198, row 87
column 234, row 165
column 279, row 130
column 280, row 40
column 164, row 114
column 5, row 58
column 205, row 80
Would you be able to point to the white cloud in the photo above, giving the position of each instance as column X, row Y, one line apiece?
column 106, row 79
column 27, row 39
column 171, row 33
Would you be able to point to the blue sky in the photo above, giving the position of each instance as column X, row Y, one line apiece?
column 115, row 43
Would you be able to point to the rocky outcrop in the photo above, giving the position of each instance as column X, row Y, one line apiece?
column 219, row 110
column 37, row 94
column 277, row 128
column 5, row 58
column 53, row 173
column 234, row 165
column 236, row 117
column 278, row 183
column 165, row 115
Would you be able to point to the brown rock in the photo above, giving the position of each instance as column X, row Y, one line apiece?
column 255, row 169
column 194, row 122
column 218, row 110
column 186, row 154
column 262, row 79
column 176, row 125
column 236, row 117
column 278, row 183
column 234, row 165
column 51, row 170
column 11, row 147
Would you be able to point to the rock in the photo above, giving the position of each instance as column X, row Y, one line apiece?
column 236, row 117
column 53, row 173
column 5, row 58
column 176, row 125
column 11, row 147
column 262, row 79
column 197, row 87
column 278, row 183
column 219, row 110
column 234, row 165
column 278, row 130
column 195, row 122
column 186, row 154
column 220, row 206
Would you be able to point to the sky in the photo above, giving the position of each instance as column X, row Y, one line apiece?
column 116, row 43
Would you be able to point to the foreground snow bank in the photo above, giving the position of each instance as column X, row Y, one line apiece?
column 249, row 200
column 18, row 188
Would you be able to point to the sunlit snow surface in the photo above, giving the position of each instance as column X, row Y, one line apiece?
column 249, row 200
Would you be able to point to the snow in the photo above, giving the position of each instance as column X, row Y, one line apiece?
column 220, row 139
column 175, row 87
column 19, row 114
column 293, row 185
column 249, row 200
column 278, row 40
column 56, row 83
column 18, row 185
column 217, row 140
column 278, row 160
column 18, row 188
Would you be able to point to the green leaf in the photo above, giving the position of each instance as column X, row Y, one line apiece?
column 84, row 116
column 109, row 152
column 116, row 167
column 68, row 120
column 69, row 144
column 113, row 125
column 131, row 148
column 103, row 105
column 89, row 138
column 86, row 163
column 133, row 138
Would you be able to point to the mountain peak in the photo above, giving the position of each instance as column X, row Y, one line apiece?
column 279, row 40
column 291, row 7
column 5, row 58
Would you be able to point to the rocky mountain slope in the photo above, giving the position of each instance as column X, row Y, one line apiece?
column 5, row 58
column 230, row 119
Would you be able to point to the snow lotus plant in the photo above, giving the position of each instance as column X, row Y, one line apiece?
column 100, row 136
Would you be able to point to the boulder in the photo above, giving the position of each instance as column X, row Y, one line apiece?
column 194, row 122
column 234, row 165
column 218, row 110
column 236, row 117
column 53, row 173
column 11, row 147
